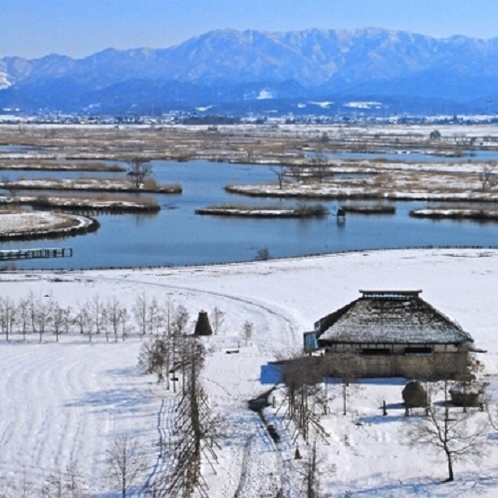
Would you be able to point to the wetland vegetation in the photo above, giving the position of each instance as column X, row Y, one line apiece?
column 287, row 169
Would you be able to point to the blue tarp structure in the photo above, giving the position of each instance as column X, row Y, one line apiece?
column 271, row 373
column 310, row 342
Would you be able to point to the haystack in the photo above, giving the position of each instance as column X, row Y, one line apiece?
column 202, row 326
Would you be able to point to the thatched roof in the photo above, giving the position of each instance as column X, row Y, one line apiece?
column 202, row 326
column 389, row 317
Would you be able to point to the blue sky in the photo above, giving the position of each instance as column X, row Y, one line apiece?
column 34, row 28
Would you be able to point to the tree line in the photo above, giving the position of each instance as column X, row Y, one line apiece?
column 42, row 316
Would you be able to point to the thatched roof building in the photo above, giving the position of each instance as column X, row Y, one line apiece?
column 395, row 333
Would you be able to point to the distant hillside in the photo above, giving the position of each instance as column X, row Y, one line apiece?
column 228, row 69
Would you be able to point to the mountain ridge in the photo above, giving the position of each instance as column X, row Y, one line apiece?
column 321, row 62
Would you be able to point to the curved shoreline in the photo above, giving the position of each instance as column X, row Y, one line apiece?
column 56, row 228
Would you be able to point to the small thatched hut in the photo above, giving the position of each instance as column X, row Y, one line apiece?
column 202, row 326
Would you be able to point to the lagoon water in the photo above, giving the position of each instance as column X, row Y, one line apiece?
column 177, row 236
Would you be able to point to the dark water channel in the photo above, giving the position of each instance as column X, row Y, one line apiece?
column 177, row 236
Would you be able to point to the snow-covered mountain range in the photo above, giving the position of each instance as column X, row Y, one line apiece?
column 230, row 67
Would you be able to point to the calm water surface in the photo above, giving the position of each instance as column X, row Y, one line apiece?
column 177, row 236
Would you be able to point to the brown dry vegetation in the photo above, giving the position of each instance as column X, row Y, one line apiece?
column 31, row 164
column 286, row 146
column 104, row 203
column 299, row 211
column 90, row 185
column 239, row 143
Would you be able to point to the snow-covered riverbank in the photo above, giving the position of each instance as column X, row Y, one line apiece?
column 65, row 403
column 34, row 224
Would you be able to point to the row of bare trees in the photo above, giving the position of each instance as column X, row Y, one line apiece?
column 196, row 430
column 126, row 464
column 178, row 357
column 59, row 484
column 175, row 356
column 42, row 315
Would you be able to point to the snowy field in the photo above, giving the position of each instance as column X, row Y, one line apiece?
column 62, row 405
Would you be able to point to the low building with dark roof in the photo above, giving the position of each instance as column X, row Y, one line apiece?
column 392, row 334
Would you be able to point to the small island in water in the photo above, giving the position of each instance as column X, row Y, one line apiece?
column 299, row 211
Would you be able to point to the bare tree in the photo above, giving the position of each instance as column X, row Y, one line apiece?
column 40, row 314
column 138, row 170
column 8, row 314
column 297, row 172
column 18, row 487
column 126, row 463
column 154, row 317
column 176, row 321
column 319, row 166
column 180, row 320
column 167, row 312
column 198, row 429
column 281, row 173
column 345, row 365
column 247, row 330
column 68, row 484
column 80, row 319
column 32, row 311
column 115, row 314
column 25, row 487
column 125, row 316
column 74, row 484
column 52, row 487
column 140, row 312
column 302, row 378
column 451, row 434
column 23, row 316
column 311, row 473
column 218, row 318
column 85, row 320
column 154, row 357
column 488, row 177
column 97, row 307
column 60, row 319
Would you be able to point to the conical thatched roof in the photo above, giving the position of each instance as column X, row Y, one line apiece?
column 202, row 326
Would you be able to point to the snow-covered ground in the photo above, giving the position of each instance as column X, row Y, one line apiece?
column 15, row 223
column 132, row 204
column 65, row 403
